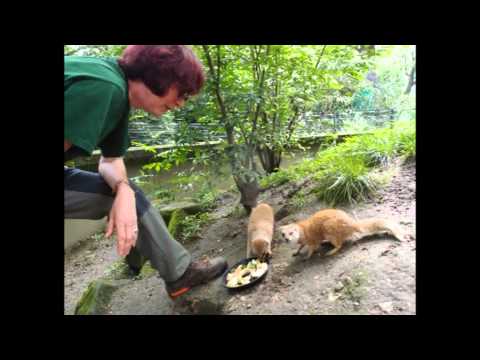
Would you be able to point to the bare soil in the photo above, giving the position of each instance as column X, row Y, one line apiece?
column 375, row 275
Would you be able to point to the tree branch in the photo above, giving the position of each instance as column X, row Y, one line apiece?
column 321, row 54
column 292, row 122
column 218, row 64
column 243, row 132
column 228, row 127
column 260, row 93
column 411, row 81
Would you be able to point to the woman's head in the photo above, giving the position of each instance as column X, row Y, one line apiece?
column 166, row 71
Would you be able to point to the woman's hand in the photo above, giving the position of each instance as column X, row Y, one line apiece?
column 123, row 219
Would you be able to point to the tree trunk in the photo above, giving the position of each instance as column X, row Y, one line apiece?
column 249, row 192
column 221, row 104
column 241, row 156
column 292, row 122
column 270, row 159
column 411, row 82
column 366, row 49
column 244, row 174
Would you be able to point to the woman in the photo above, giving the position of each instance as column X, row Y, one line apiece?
column 98, row 96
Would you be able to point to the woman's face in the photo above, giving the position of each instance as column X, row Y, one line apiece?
column 141, row 97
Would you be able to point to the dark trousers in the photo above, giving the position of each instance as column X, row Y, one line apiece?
column 88, row 196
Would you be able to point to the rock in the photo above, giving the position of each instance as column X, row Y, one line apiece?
column 386, row 307
column 121, row 269
column 339, row 286
column 210, row 298
column 95, row 298
column 225, row 196
column 174, row 225
column 332, row 297
column 167, row 210
column 249, row 306
column 148, row 270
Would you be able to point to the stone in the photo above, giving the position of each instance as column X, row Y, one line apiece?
column 147, row 270
column 95, row 299
column 332, row 297
column 122, row 269
column 210, row 298
column 167, row 210
column 339, row 286
column 175, row 222
column 386, row 307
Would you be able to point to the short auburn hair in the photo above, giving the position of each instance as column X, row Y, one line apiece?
column 161, row 66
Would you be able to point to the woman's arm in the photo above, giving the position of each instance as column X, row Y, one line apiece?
column 123, row 215
column 66, row 145
column 113, row 171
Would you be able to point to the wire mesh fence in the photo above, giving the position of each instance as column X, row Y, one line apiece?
column 158, row 132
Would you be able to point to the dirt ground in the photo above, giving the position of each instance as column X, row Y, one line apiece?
column 375, row 275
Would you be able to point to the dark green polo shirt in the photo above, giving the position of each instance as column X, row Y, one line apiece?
column 96, row 105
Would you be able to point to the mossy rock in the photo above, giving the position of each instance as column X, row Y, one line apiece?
column 167, row 210
column 126, row 268
column 174, row 226
column 209, row 299
column 119, row 270
column 148, row 270
column 95, row 299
